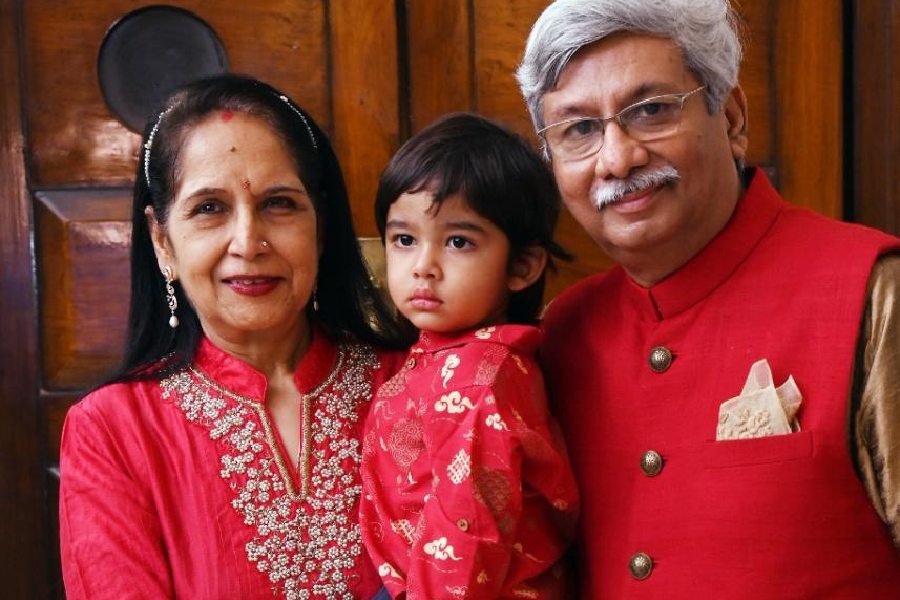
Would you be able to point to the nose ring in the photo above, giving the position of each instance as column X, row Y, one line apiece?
column 264, row 243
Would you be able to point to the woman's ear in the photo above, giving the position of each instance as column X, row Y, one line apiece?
column 526, row 268
column 161, row 248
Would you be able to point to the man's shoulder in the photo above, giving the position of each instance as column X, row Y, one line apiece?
column 812, row 228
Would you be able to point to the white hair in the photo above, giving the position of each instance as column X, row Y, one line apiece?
column 707, row 31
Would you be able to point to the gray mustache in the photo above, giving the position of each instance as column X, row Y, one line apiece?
column 637, row 182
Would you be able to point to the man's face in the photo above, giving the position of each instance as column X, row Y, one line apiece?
column 665, row 220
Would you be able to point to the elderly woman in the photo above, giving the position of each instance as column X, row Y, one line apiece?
column 222, row 461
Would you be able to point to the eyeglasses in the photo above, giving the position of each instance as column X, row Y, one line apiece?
column 649, row 119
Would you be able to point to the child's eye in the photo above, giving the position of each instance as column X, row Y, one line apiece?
column 403, row 240
column 457, row 242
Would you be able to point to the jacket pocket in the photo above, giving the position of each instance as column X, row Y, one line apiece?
column 757, row 451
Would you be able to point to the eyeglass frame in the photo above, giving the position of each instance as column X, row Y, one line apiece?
column 680, row 96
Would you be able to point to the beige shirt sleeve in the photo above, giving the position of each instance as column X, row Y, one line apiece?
column 875, row 396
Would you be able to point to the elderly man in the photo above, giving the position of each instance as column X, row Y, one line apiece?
column 730, row 391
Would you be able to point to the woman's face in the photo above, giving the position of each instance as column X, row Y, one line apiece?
column 241, row 236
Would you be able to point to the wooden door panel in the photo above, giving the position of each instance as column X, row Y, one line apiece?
column 364, row 92
column 807, row 66
column 876, row 114
column 24, row 537
column 438, row 49
column 73, row 137
column 83, row 242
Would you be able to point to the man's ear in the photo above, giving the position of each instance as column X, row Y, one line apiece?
column 526, row 268
column 161, row 247
column 736, row 116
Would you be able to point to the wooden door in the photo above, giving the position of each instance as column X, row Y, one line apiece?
column 371, row 73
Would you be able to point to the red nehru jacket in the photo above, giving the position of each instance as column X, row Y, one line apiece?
column 782, row 516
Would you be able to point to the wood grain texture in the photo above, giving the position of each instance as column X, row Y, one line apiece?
column 364, row 96
column 73, row 136
column 757, row 77
column 439, row 47
column 876, row 114
column 83, row 242
column 56, row 405
column 23, row 564
column 809, row 103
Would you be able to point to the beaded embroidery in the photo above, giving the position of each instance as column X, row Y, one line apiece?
column 307, row 541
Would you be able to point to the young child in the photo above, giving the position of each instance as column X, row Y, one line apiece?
column 467, row 490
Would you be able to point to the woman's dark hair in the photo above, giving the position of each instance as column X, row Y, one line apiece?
column 350, row 309
column 498, row 174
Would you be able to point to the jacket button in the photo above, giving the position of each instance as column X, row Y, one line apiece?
column 660, row 359
column 641, row 565
column 463, row 525
column 651, row 463
column 410, row 363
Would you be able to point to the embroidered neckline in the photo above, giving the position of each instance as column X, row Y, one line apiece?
column 308, row 543
column 306, row 400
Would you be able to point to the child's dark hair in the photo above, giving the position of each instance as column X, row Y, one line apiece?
column 498, row 174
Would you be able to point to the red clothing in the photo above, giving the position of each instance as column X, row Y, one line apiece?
column 179, row 488
column 773, row 517
column 464, row 481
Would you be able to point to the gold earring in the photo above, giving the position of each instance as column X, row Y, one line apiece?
column 171, row 300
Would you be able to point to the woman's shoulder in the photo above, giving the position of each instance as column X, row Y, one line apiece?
column 115, row 402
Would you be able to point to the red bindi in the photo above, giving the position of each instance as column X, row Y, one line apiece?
column 245, row 183
column 226, row 115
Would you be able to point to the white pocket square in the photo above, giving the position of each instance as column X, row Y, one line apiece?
column 761, row 409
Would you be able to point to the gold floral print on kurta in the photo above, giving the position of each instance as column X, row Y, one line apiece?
column 307, row 545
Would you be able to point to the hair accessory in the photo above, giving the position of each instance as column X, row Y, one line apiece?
column 149, row 144
column 287, row 101
column 171, row 300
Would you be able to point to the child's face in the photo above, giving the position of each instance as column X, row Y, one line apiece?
column 447, row 270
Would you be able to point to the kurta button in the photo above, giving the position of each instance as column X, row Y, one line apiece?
column 410, row 362
column 660, row 359
column 463, row 525
column 641, row 565
column 651, row 463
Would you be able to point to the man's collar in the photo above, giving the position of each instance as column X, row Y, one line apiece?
column 754, row 214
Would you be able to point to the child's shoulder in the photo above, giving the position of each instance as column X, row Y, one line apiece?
column 495, row 341
column 518, row 339
column 482, row 356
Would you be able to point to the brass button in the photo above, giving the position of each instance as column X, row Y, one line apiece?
column 463, row 525
column 641, row 565
column 660, row 359
column 651, row 463
column 410, row 363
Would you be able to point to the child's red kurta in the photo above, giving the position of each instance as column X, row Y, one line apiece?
column 180, row 488
column 465, row 482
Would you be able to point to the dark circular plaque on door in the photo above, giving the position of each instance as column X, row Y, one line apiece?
column 148, row 54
